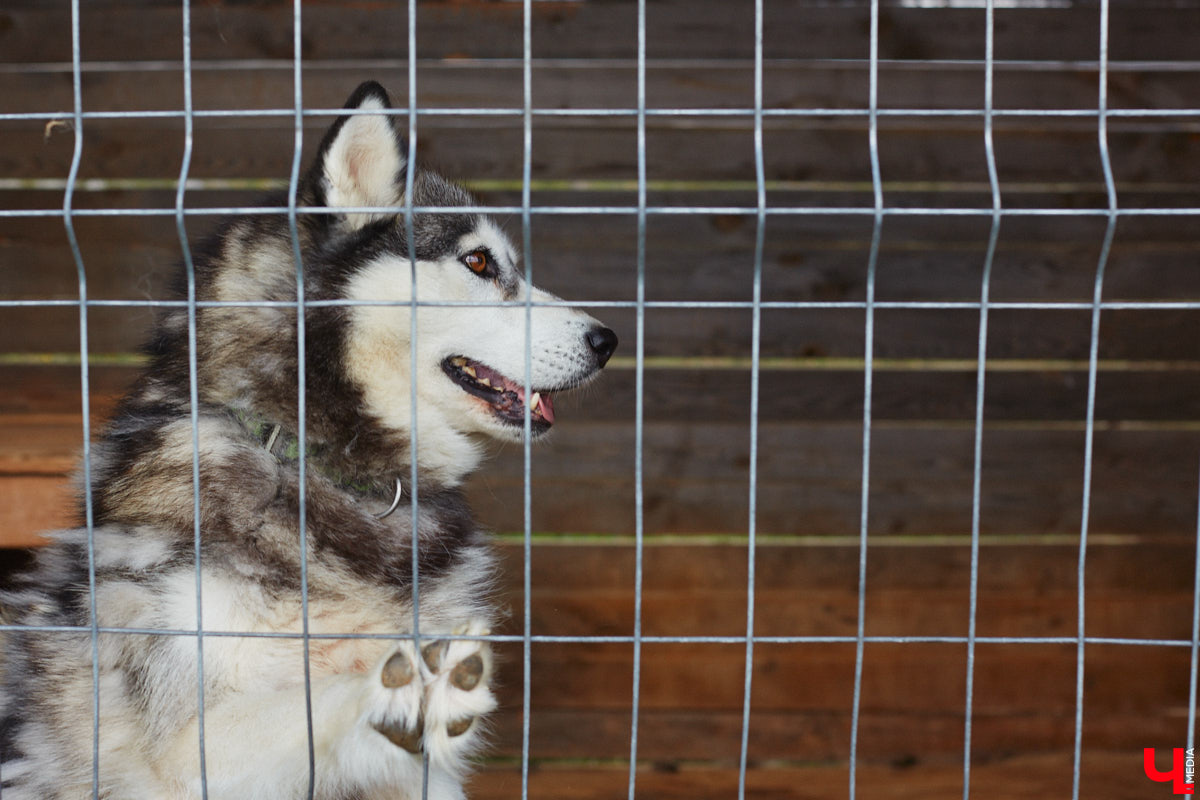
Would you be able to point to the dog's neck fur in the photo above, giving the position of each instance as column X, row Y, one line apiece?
column 284, row 444
column 347, row 447
column 363, row 458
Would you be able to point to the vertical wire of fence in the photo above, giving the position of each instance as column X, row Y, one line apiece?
column 193, row 377
column 526, row 454
column 84, row 384
column 980, row 387
column 760, row 233
column 1194, row 667
column 1090, row 419
column 868, row 384
column 413, row 310
column 301, row 385
column 639, row 405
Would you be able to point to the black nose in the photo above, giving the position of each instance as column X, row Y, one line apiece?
column 603, row 342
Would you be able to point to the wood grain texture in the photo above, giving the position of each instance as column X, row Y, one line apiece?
column 595, row 30
column 809, row 478
column 1111, row 775
column 696, row 440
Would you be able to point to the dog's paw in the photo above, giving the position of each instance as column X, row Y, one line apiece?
column 458, row 675
column 433, row 703
column 399, row 699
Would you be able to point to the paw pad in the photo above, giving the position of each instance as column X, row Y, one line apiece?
column 459, row 727
column 467, row 673
column 397, row 672
column 407, row 738
column 433, row 653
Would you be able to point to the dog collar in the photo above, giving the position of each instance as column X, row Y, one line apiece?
column 285, row 447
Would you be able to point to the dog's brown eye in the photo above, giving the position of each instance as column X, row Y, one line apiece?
column 477, row 262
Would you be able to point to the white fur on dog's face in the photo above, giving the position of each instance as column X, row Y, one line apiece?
column 468, row 360
column 380, row 346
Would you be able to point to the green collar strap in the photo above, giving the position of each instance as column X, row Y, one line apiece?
column 285, row 447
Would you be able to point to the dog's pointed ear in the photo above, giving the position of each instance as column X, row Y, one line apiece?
column 362, row 159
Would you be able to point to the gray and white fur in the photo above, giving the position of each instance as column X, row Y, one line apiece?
column 380, row 702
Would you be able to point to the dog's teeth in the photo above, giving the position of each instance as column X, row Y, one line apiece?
column 535, row 401
column 469, row 370
column 458, row 361
column 484, row 381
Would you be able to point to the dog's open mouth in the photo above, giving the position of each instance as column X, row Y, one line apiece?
column 504, row 395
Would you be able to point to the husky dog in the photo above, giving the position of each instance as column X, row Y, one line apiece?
column 384, row 703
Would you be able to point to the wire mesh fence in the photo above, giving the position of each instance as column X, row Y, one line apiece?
column 904, row 99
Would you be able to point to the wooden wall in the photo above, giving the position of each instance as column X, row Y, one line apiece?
column 1143, row 510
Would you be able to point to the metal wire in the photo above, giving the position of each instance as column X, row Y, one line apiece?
column 1195, row 655
column 760, row 232
column 878, row 211
column 868, row 379
column 526, row 487
column 598, row 639
column 410, row 240
column 947, row 305
column 980, row 386
column 1090, row 421
column 685, row 210
column 797, row 305
column 193, row 380
column 85, row 391
column 639, row 519
column 301, row 384
column 585, row 63
column 651, row 113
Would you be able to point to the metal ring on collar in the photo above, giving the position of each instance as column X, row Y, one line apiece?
column 395, row 502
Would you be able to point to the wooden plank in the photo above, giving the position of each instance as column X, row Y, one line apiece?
column 50, row 447
column 816, row 395
column 696, row 257
column 812, row 391
column 1040, row 334
column 1117, row 775
column 130, row 86
column 1139, row 588
column 52, row 392
column 913, row 700
column 814, row 736
column 809, row 476
column 39, row 444
column 707, row 258
column 30, row 505
column 701, row 257
column 601, row 30
column 925, row 162
column 1058, row 337
column 36, row 454
column 912, row 697
column 925, row 724
column 912, row 693
column 809, row 480
column 912, row 708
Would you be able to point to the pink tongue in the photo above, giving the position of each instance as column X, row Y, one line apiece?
column 546, row 407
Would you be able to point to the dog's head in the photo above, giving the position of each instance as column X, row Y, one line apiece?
column 474, row 355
